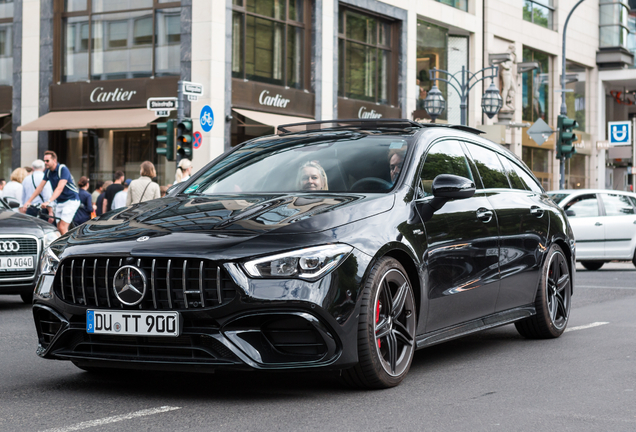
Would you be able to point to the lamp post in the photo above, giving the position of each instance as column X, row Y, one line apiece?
column 491, row 102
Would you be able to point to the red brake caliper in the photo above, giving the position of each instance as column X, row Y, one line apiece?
column 377, row 319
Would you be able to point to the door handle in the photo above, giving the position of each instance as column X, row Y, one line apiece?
column 599, row 224
column 484, row 215
column 536, row 211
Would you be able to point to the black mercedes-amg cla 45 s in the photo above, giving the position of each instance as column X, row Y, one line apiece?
column 342, row 245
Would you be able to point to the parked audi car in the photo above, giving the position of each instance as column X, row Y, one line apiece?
column 339, row 245
column 604, row 224
column 22, row 238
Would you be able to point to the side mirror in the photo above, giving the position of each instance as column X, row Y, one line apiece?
column 12, row 202
column 570, row 213
column 450, row 186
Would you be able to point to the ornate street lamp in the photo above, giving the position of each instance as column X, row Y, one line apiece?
column 491, row 102
column 434, row 104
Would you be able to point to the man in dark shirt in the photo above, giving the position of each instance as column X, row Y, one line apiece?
column 86, row 208
column 112, row 190
column 65, row 192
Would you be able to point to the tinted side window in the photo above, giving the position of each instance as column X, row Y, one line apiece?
column 529, row 182
column 583, row 206
column 513, row 177
column 617, row 205
column 490, row 169
column 446, row 157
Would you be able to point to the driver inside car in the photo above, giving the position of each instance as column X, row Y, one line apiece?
column 396, row 159
column 312, row 177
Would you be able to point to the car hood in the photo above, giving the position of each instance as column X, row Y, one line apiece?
column 194, row 225
column 17, row 223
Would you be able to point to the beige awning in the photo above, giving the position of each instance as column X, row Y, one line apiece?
column 270, row 119
column 4, row 114
column 98, row 119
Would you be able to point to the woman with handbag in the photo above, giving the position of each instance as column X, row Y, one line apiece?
column 143, row 188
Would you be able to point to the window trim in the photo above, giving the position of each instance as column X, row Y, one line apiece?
column 551, row 8
column 393, row 48
column 287, row 22
column 59, row 15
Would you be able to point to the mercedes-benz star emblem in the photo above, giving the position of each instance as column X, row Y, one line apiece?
column 144, row 238
column 9, row 246
column 129, row 285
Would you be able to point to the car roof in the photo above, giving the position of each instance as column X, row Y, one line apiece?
column 582, row 191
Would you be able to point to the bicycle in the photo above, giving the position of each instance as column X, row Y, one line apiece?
column 43, row 214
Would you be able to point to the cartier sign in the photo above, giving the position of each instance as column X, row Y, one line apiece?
column 98, row 95
column 128, row 93
column 272, row 98
column 352, row 109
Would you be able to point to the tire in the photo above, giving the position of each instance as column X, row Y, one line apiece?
column 592, row 265
column 386, row 328
column 27, row 297
column 552, row 301
column 634, row 259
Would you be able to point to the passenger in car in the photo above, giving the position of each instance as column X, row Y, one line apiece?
column 312, row 177
column 396, row 159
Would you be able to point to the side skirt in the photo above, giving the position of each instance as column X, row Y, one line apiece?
column 487, row 322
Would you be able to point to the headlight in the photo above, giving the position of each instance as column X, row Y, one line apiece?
column 49, row 238
column 310, row 263
column 49, row 262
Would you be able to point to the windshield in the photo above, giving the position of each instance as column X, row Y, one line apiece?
column 339, row 162
column 558, row 197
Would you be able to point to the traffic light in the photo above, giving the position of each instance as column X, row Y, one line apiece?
column 168, row 139
column 566, row 138
column 184, row 139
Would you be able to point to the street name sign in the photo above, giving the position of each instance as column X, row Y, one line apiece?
column 192, row 89
column 540, row 131
column 162, row 106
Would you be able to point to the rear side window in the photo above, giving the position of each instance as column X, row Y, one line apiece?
column 513, row 176
column 446, row 157
column 617, row 205
column 583, row 206
column 490, row 169
column 529, row 182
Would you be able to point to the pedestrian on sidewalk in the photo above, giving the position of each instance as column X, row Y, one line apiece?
column 143, row 188
column 65, row 193
column 112, row 190
column 119, row 201
column 30, row 184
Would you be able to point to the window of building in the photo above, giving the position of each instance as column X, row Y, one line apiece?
column 538, row 160
column 575, row 172
column 459, row 4
column 271, row 41
column 538, row 12
column 575, row 79
column 536, row 93
column 105, row 39
column 613, row 23
column 6, row 42
column 365, row 56
column 432, row 52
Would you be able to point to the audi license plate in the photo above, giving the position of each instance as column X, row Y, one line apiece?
column 16, row 263
column 133, row 323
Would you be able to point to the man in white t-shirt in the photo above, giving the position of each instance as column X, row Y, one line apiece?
column 119, row 200
column 31, row 182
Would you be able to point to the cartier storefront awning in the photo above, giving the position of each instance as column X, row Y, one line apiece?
column 96, row 119
column 270, row 119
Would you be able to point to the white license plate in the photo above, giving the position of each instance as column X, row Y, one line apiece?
column 133, row 323
column 15, row 263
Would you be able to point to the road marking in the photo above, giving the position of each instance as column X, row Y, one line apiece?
column 113, row 419
column 601, row 287
column 587, row 326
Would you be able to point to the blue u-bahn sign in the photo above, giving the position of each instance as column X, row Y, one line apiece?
column 620, row 133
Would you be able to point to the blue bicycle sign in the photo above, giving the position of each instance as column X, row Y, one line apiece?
column 206, row 118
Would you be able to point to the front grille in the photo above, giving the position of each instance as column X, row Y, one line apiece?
column 28, row 246
column 172, row 284
column 194, row 348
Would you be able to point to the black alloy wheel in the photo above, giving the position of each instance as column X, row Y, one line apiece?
column 592, row 265
column 386, row 328
column 553, row 299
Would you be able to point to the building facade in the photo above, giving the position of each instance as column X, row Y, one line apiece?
column 75, row 75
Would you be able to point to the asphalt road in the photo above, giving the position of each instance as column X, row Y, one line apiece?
column 492, row 381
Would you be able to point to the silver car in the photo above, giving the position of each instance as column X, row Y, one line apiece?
column 604, row 224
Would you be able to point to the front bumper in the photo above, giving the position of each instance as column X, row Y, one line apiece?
column 268, row 324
